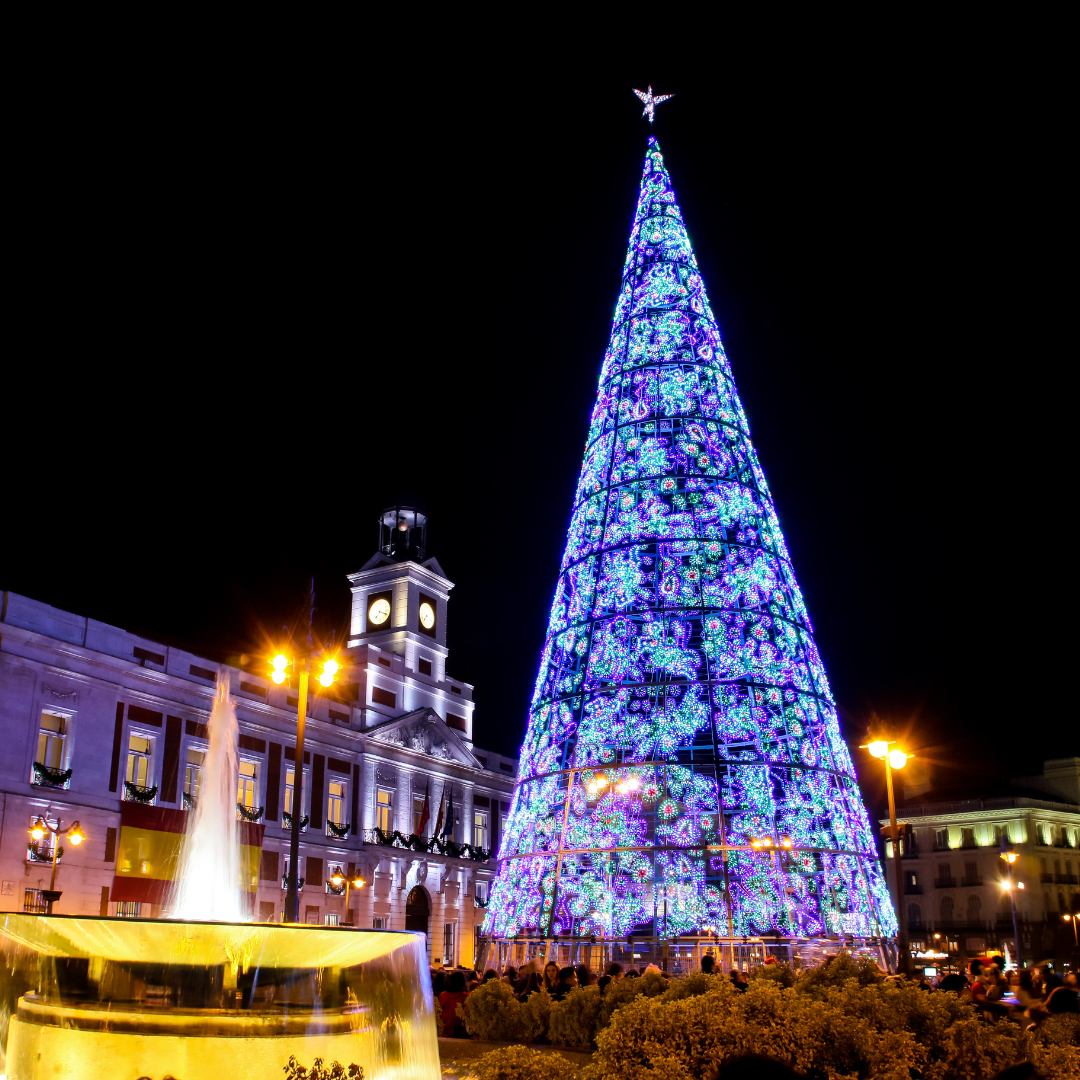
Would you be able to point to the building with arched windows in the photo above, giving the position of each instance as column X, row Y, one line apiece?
column 96, row 721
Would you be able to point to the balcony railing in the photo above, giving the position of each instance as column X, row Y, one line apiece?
column 971, row 882
column 1066, row 879
column 432, row 844
column 286, row 821
column 945, row 883
column 53, row 778
column 138, row 793
column 285, row 884
column 39, row 851
column 249, row 813
column 1046, row 876
column 912, row 890
column 190, row 801
column 337, row 832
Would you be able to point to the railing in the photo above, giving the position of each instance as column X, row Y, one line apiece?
column 285, row 883
column 971, row 882
column 286, row 821
column 908, row 851
column 912, row 890
column 190, row 801
column 432, row 844
column 248, row 813
column 335, row 890
column 1066, row 879
column 915, row 924
column 1046, row 876
column 945, row 883
column 338, row 832
column 54, row 778
column 39, row 851
column 138, row 793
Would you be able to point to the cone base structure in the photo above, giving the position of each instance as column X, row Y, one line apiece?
column 683, row 775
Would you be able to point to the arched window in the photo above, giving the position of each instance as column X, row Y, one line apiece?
column 947, row 906
column 417, row 910
column 974, row 908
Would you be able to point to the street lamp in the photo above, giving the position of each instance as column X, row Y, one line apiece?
column 38, row 830
column 1073, row 919
column 1009, row 856
column 301, row 667
column 355, row 880
column 895, row 759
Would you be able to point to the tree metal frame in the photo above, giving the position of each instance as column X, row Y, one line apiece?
column 683, row 771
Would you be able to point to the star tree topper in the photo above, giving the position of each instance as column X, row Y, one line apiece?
column 651, row 101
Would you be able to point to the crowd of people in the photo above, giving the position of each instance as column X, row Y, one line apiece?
column 1030, row 994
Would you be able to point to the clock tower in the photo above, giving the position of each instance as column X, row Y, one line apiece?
column 399, row 623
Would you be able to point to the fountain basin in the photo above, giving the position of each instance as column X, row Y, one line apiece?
column 85, row 996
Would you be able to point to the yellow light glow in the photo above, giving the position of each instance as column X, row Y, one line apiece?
column 878, row 748
column 331, row 667
column 358, row 883
column 1066, row 918
column 280, row 662
column 337, row 879
column 1006, row 885
column 326, row 679
column 786, row 841
column 37, row 832
column 898, row 759
column 76, row 837
column 278, row 676
column 633, row 783
column 1009, row 856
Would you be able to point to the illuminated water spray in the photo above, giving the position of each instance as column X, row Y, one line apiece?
column 208, row 883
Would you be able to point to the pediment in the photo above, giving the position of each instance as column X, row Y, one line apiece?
column 424, row 731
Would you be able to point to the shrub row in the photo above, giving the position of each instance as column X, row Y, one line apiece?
column 840, row 1021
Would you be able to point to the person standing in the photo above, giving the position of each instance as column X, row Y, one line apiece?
column 449, row 1000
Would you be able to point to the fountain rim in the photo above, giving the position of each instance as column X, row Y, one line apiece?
column 126, row 919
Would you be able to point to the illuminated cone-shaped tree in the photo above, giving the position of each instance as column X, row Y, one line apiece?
column 683, row 767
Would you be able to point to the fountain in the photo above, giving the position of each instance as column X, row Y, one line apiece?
column 206, row 994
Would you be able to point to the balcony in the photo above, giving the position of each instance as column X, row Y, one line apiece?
column 40, row 851
column 50, row 778
column 287, row 823
column 138, row 793
column 1046, row 877
column 432, row 844
column 285, row 883
column 190, row 801
column 971, row 882
column 1066, row 879
column 912, row 890
column 337, row 832
column 249, row 813
column 945, row 883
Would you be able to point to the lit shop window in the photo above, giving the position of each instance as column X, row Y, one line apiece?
column 247, row 790
column 50, row 747
column 384, row 810
column 138, row 762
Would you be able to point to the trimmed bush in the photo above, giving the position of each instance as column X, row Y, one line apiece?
column 514, row 1063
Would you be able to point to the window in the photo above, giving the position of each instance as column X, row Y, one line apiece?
column 384, row 810
column 424, row 666
column 506, row 768
column 911, row 880
column 335, row 805
column 196, row 759
column 247, row 789
column 948, row 907
column 417, row 813
column 974, row 908
column 129, row 909
column 967, row 838
column 330, row 919
column 971, row 873
column 383, row 697
column 290, row 784
column 944, row 871
column 480, row 829
column 138, row 763
column 50, row 745
column 482, row 891
column 379, row 922
column 449, row 957
column 32, row 902
column 1001, row 832
column 941, row 839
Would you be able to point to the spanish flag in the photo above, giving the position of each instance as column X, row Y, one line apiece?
column 148, row 853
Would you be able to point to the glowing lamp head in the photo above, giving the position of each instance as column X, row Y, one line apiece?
column 1006, row 885
column 402, row 525
column 326, row 679
column 898, row 759
column 331, row 667
column 1009, row 856
column 337, row 878
column 358, row 883
column 38, row 831
column 76, row 835
column 878, row 748
column 1066, row 918
column 280, row 662
column 278, row 676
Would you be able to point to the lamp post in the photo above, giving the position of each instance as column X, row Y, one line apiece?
column 1009, row 856
column 355, row 880
column 40, row 827
column 301, row 666
column 1073, row 919
column 895, row 759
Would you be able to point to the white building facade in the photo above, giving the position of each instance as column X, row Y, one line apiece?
column 954, row 899
column 91, row 715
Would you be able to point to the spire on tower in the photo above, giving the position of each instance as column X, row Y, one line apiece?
column 683, row 770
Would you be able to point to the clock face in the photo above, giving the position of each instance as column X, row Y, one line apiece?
column 427, row 616
column 379, row 612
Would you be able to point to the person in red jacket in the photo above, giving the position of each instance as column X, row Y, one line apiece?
column 449, row 1000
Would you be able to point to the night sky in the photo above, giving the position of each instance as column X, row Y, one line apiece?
column 233, row 358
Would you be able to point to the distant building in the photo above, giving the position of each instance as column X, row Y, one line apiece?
column 953, row 897
column 91, row 715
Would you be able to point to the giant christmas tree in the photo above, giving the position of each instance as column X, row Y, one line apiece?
column 683, row 768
